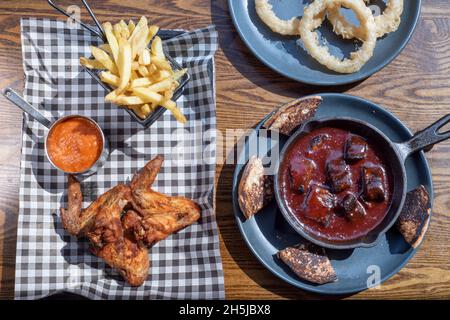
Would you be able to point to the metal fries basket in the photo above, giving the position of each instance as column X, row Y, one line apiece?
column 163, row 34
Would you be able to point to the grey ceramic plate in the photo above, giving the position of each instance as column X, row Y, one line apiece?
column 267, row 232
column 286, row 55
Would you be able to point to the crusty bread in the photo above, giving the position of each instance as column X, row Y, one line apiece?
column 291, row 115
column 309, row 262
column 415, row 216
column 255, row 189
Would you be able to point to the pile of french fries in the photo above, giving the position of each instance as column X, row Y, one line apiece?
column 142, row 77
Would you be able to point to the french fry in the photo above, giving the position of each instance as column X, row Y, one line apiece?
column 140, row 82
column 90, row 63
column 150, row 96
column 178, row 74
column 111, row 97
column 124, row 100
column 152, row 31
column 160, row 86
column 117, row 31
column 160, row 75
column 143, row 71
column 161, row 63
column 138, row 43
column 112, row 41
column 104, row 59
column 145, row 108
column 152, row 69
column 138, row 110
column 131, row 26
column 144, row 57
column 105, row 47
column 109, row 78
column 168, row 94
column 141, row 23
column 125, row 32
column 157, row 48
column 124, row 64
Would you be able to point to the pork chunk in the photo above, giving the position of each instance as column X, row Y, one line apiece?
column 319, row 204
column 355, row 148
column 351, row 207
column 338, row 174
column 374, row 183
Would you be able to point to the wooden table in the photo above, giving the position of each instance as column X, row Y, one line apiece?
column 415, row 87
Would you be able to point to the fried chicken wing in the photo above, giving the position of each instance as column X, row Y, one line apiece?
column 161, row 215
column 71, row 216
column 121, row 240
column 105, row 225
column 101, row 224
column 129, row 258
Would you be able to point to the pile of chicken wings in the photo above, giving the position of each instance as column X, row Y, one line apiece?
column 124, row 222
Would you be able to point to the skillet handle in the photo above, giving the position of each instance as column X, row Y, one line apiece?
column 20, row 102
column 426, row 138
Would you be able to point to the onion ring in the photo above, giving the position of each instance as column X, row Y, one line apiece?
column 321, row 53
column 386, row 22
column 284, row 27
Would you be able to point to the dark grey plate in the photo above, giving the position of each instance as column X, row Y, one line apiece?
column 286, row 55
column 267, row 232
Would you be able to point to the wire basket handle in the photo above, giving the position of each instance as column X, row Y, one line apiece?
column 100, row 34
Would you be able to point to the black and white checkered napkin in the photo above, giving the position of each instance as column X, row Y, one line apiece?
column 185, row 265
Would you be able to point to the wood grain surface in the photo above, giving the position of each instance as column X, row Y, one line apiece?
column 415, row 87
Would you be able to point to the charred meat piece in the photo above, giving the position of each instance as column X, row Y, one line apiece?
column 318, row 142
column 338, row 174
column 415, row 216
column 351, row 207
column 319, row 204
column 374, row 183
column 293, row 114
column 355, row 148
column 309, row 262
column 255, row 189
column 301, row 173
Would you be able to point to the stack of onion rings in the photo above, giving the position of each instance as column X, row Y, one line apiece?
column 368, row 31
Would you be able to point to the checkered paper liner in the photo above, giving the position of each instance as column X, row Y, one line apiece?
column 187, row 265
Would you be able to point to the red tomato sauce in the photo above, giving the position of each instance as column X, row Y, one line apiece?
column 75, row 144
column 329, row 223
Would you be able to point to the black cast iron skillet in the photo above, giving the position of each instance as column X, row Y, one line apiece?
column 394, row 155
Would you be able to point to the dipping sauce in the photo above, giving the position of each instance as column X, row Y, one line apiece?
column 74, row 144
column 336, row 184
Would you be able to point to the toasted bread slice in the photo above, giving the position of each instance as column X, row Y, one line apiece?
column 255, row 189
column 415, row 216
column 291, row 115
column 309, row 262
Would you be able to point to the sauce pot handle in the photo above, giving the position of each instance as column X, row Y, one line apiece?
column 425, row 139
column 15, row 98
